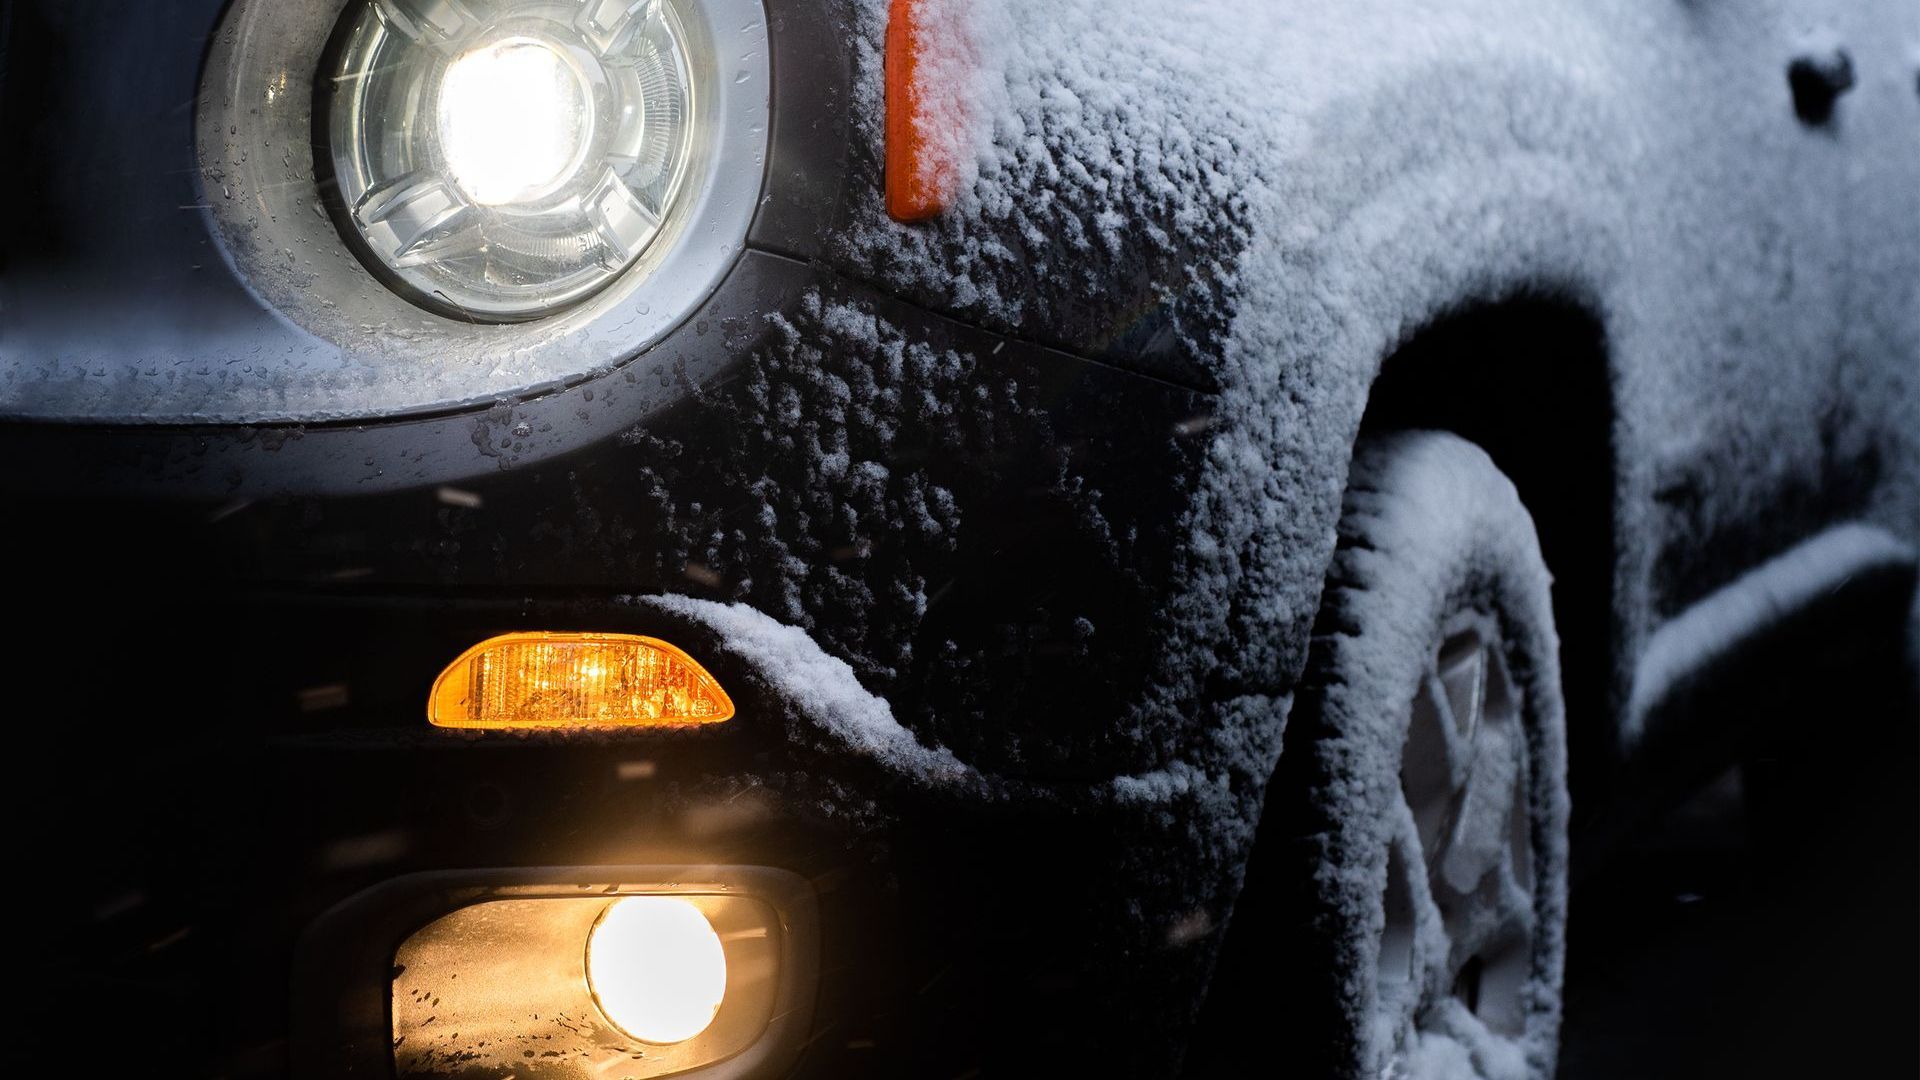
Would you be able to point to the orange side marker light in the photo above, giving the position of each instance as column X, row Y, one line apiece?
column 921, row 172
column 541, row 680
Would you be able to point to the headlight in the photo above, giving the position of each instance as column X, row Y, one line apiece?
column 451, row 203
column 503, row 159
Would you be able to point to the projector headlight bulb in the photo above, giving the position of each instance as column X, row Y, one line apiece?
column 505, row 159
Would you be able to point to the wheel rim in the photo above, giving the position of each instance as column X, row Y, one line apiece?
column 1456, row 950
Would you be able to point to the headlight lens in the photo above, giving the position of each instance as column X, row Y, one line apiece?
column 504, row 159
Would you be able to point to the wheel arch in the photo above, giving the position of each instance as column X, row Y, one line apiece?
column 1507, row 336
column 1506, row 223
column 1497, row 277
column 1527, row 378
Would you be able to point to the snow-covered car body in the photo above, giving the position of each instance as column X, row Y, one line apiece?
column 1029, row 507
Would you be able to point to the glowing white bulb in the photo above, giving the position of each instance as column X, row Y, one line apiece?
column 516, row 156
column 514, row 119
column 656, row 968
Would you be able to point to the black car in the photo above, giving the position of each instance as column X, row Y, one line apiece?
column 750, row 538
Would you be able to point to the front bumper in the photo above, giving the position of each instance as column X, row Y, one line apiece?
column 241, row 625
column 958, row 928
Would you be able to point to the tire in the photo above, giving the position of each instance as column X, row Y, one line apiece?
column 1421, row 791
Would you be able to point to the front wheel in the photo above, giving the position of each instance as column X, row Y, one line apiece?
column 1422, row 786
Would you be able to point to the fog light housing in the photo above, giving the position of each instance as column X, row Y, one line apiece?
column 489, row 977
column 652, row 980
column 505, row 159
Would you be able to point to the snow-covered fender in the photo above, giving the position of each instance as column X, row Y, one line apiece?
column 1284, row 194
column 1282, row 222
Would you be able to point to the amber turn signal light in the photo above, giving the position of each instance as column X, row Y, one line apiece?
column 920, row 175
column 543, row 680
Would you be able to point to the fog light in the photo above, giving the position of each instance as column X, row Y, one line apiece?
column 656, row 968
column 541, row 680
column 502, row 159
column 579, row 979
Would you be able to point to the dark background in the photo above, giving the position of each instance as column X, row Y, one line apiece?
column 1770, row 925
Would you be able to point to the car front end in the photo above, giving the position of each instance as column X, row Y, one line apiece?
column 304, row 441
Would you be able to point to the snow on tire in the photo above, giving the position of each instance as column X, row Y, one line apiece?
column 1423, row 784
